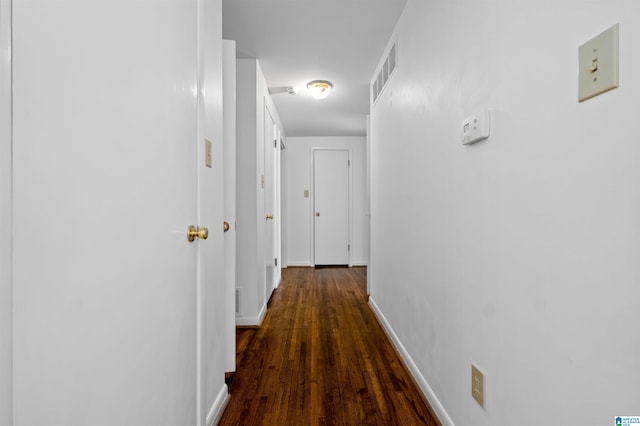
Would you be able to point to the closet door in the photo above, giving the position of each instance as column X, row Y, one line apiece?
column 331, row 206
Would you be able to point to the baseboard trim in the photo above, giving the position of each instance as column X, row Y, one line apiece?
column 252, row 321
column 298, row 264
column 411, row 366
column 219, row 404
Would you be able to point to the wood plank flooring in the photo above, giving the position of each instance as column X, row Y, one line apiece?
column 321, row 358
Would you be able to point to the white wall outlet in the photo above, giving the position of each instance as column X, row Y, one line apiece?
column 476, row 128
column 598, row 64
column 477, row 385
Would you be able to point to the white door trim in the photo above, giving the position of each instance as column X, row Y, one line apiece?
column 312, row 238
column 6, row 207
column 271, row 183
column 201, row 307
column 229, row 196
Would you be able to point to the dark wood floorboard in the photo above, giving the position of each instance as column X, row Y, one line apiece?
column 321, row 358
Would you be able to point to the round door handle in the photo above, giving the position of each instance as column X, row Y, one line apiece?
column 203, row 233
column 270, row 216
column 318, row 214
column 226, row 226
column 193, row 233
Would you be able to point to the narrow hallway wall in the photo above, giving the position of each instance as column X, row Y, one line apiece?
column 520, row 253
column 252, row 97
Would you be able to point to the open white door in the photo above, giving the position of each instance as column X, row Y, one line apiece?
column 331, row 206
column 105, row 185
column 270, row 150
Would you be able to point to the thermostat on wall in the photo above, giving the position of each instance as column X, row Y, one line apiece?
column 476, row 128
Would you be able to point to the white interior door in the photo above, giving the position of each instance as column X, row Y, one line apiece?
column 331, row 207
column 270, row 149
column 105, row 185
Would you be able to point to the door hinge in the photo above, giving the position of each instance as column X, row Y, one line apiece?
column 348, row 162
column 276, row 261
column 349, row 247
column 275, row 143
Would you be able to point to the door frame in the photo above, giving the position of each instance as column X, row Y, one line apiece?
column 312, row 231
column 283, row 204
column 6, row 221
column 273, row 146
column 229, row 196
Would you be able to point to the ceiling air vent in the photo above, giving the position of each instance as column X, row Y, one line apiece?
column 384, row 73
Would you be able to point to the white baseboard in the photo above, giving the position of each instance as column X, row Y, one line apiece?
column 220, row 403
column 252, row 321
column 310, row 265
column 412, row 367
column 294, row 264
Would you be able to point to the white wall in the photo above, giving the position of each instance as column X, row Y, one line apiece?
column 252, row 97
column 519, row 253
column 6, row 345
column 299, row 208
column 246, row 186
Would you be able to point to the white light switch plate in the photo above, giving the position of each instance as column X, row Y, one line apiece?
column 598, row 64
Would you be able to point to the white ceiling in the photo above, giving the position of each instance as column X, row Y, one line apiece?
column 296, row 41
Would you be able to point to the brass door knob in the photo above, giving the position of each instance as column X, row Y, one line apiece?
column 270, row 216
column 226, row 226
column 203, row 233
column 193, row 233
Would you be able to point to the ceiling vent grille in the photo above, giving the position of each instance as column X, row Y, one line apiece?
column 384, row 73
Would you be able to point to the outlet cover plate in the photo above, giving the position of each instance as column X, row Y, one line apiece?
column 598, row 64
column 208, row 147
column 477, row 385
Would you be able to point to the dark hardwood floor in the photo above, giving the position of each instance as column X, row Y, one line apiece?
column 321, row 358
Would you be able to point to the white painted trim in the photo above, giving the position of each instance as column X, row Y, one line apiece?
column 279, row 280
column 412, row 367
column 219, row 404
column 360, row 263
column 252, row 321
column 7, row 350
column 368, row 199
column 229, row 109
column 299, row 264
column 201, row 262
column 275, row 243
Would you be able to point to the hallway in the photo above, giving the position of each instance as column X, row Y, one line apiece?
column 320, row 357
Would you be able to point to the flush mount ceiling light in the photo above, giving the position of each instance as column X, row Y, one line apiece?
column 319, row 88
